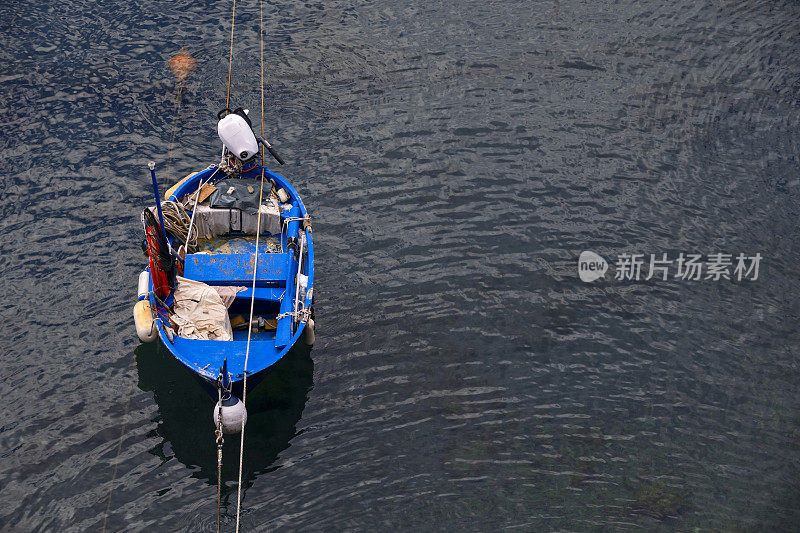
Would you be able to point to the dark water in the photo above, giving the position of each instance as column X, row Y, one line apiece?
column 457, row 158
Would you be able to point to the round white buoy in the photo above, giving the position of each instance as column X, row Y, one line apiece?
column 233, row 411
column 309, row 336
column 143, row 319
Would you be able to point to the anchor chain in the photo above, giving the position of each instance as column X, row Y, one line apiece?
column 220, row 441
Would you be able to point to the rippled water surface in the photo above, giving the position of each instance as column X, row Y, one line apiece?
column 456, row 157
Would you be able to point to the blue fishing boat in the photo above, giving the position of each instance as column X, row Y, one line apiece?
column 229, row 286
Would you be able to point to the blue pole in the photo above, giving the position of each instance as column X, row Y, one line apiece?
column 152, row 165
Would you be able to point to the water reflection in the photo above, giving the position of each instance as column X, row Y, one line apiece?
column 184, row 421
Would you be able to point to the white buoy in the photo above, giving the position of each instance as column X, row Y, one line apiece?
column 143, row 319
column 144, row 284
column 283, row 196
column 233, row 411
column 309, row 336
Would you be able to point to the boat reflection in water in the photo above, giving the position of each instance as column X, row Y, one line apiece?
column 185, row 425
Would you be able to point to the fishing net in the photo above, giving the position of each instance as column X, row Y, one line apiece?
column 162, row 264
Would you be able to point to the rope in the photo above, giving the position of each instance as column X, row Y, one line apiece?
column 194, row 209
column 174, row 126
column 178, row 223
column 261, row 39
column 302, row 314
column 230, row 57
column 255, row 270
column 295, row 305
column 218, row 432
column 285, row 226
column 119, row 450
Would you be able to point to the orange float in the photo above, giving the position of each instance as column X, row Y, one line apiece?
column 182, row 64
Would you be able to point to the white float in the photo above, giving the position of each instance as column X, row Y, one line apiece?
column 143, row 318
column 232, row 415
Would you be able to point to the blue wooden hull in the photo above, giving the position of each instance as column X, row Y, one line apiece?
column 275, row 294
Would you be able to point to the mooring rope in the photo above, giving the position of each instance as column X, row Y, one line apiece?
column 255, row 270
column 119, row 450
column 218, row 432
column 230, row 56
column 174, row 127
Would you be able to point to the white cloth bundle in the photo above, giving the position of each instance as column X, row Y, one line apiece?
column 200, row 312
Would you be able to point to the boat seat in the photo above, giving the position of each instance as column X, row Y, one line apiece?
column 268, row 294
column 237, row 269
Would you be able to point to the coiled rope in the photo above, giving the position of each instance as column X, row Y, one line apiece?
column 176, row 221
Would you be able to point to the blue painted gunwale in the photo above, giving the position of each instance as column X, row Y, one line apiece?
column 204, row 358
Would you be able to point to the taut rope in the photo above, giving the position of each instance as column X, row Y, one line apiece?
column 116, row 460
column 174, row 127
column 255, row 270
column 230, row 57
column 218, row 432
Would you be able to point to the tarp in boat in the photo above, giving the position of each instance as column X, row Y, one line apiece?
column 235, row 193
column 200, row 312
